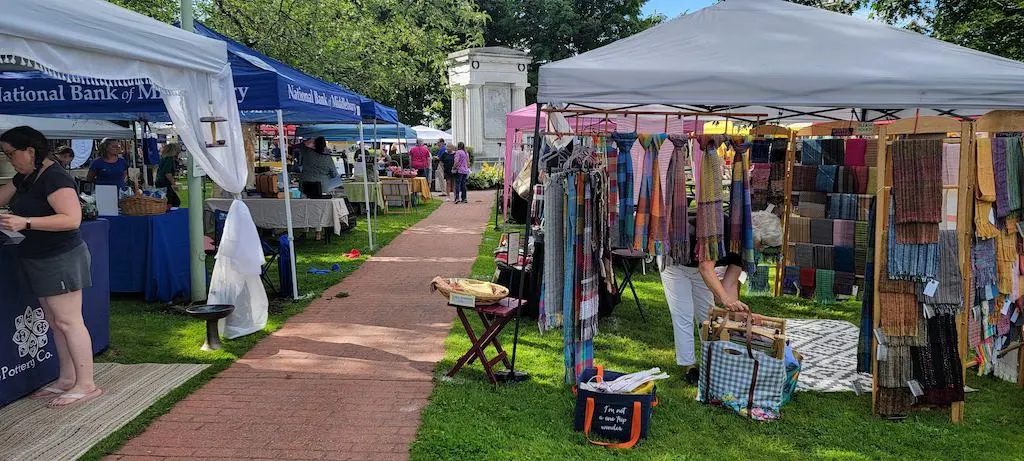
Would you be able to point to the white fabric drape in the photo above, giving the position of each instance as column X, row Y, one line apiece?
column 72, row 41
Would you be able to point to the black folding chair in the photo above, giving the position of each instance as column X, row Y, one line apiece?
column 628, row 259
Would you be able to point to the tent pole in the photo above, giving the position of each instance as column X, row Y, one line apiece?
column 381, row 146
column 197, row 266
column 287, row 202
column 366, row 184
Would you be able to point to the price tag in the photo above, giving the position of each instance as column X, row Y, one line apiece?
column 992, row 216
column 856, row 289
column 880, row 336
column 771, row 208
column 461, row 300
column 882, row 354
column 865, row 129
column 929, row 312
column 1006, row 307
column 1020, row 229
column 915, row 388
column 1013, row 318
column 929, row 289
column 743, row 278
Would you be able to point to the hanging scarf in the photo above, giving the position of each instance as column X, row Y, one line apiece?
column 812, row 204
column 911, row 261
column 791, row 280
column 1000, row 166
column 677, row 222
column 649, row 210
column 843, row 259
column 821, row 231
column 1014, row 170
column 824, row 257
column 937, row 365
column 760, row 151
column 613, row 195
column 803, row 254
column 1006, row 260
column 917, row 181
column 799, row 229
column 810, row 152
column 569, row 313
column 842, row 206
column 825, row 181
column 624, row 170
column 949, row 296
column 588, row 277
column 865, row 349
column 856, row 152
column 951, row 164
column 824, row 281
column 710, row 217
column 741, row 235
column 832, row 151
column 550, row 314
column 984, row 201
column 844, row 282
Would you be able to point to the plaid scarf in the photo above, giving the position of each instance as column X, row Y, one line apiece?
column 799, row 229
column 677, row 219
column 951, row 164
column 791, row 280
column 917, row 180
column 588, row 280
column 949, row 296
column 864, row 204
column 550, row 316
column 823, row 257
column 647, row 237
column 983, row 266
column 843, row 284
column 710, row 217
column 624, row 172
column 843, row 259
column 861, row 178
column 810, row 152
column 871, row 155
column 760, row 151
column 807, row 277
column 910, row 261
column 821, row 231
column 937, row 365
column 805, row 177
column 842, row 206
column 1014, row 170
column 741, row 234
column 803, row 254
column 824, row 286
column 846, row 180
column 613, row 195
column 832, row 151
column 856, row 152
column 825, row 181
column 1000, row 169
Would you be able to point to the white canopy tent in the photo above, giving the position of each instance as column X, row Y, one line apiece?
column 430, row 135
column 72, row 41
column 791, row 62
column 59, row 128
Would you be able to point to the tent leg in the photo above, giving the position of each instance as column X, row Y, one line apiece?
column 287, row 202
column 366, row 184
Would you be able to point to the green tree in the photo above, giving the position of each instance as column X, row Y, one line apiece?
column 551, row 30
column 992, row 26
column 161, row 10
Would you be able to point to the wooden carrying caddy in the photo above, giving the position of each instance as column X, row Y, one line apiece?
column 266, row 184
column 768, row 334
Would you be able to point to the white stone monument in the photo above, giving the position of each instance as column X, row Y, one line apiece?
column 486, row 83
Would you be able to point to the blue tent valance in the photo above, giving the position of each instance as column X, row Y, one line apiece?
column 350, row 133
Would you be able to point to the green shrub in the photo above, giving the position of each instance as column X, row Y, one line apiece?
column 489, row 177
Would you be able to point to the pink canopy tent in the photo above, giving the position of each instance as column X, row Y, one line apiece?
column 523, row 121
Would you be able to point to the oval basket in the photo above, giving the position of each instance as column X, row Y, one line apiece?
column 141, row 205
column 486, row 293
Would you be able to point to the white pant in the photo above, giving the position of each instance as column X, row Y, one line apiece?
column 688, row 301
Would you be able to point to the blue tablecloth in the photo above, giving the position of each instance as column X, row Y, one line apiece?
column 149, row 254
column 28, row 359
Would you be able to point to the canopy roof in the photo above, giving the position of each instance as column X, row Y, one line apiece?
column 350, row 133
column 55, row 128
column 430, row 135
column 373, row 110
column 782, row 59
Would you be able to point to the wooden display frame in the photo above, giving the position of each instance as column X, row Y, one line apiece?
column 825, row 129
column 964, row 226
column 776, row 131
column 994, row 122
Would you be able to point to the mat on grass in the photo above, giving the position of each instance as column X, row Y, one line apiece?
column 30, row 430
column 829, row 349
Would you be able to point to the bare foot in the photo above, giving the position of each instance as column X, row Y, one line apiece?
column 75, row 395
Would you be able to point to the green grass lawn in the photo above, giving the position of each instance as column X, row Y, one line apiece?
column 467, row 418
column 142, row 332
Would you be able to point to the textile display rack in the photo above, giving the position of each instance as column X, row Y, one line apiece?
column 825, row 232
column 922, row 351
column 769, row 192
column 992, row 325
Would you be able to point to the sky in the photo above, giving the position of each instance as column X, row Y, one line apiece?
column 673, row 8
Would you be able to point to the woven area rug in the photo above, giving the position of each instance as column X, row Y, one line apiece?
column 829, row 348
column 30, row 430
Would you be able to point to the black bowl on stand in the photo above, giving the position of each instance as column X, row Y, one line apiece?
column 211, row 313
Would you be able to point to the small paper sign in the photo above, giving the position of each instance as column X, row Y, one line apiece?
column 461, row 300
column 883, row 353
column 929, row 312
column 880, row 336
column 771, row 208
column 842, row 131
column 1013, row 318
column 743, row 278
column 513, row 248
column 992, row 216
column 1020, row 229
column 856, row 289
column 865, row 129
column 1006, row 307
column 930, row 287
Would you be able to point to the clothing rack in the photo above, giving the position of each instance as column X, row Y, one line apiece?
column 965, row 219
column 998, row 121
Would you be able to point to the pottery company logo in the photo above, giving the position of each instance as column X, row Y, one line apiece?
column 30, row 333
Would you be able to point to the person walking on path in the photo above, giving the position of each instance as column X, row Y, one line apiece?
column 461, row 173
column 419, row 158
column 447, row 155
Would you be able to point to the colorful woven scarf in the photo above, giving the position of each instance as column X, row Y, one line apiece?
column 710, row 217
column 872, row 181
column 807, row 277
column 799, row 229
column 937, row 366
column 1014, row 170
column 649, row 213
column 821, row 231
column 861, row 178
column 846, row 180
column 951, row 164
column 1000, row 168
column 832, row 151
column 588, row 280
column 865, row 349
column 584, row 345
column 825, row 181
column 569, row 306
column 677, row 219
column 949, row 296
column 983, row 267
column 824, row 286
column 613, row 195
column 917, row 180
column 856, row 152
column 864, row 204
column 760, row 176
column 1006, row 260
column 910, row 261
column 741, row 233
column 842, row 206
column 871, row 156
column 624, row 171
column 810, row 152
column 984, row 202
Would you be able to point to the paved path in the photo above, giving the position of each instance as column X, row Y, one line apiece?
column 345, row 379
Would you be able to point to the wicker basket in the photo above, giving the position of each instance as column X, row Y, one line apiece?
column 486, row 293
column 141, row 205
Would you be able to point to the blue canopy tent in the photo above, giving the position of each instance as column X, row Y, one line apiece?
column 351, row 133
column 266, row 90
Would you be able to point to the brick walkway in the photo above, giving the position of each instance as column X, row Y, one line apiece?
column 345, row 379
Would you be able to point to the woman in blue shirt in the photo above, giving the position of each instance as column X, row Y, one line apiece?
column 110, row 169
